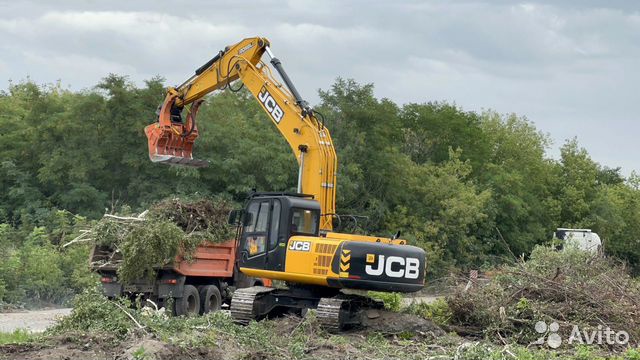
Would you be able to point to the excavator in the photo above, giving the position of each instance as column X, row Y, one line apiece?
column 288, row 236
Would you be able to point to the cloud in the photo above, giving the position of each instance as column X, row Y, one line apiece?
column 141, row 42
column 78, row 67
column 570, row 66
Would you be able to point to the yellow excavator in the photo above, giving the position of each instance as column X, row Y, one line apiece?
column 288, row 236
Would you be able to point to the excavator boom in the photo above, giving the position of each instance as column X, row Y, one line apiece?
column 171, row 139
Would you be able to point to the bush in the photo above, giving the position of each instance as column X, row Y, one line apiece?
column 392, row 301
column 41, row 275
column 35, row 268
column 16, row 337
column 437, row 311
column 93, row 312
column 570, row 287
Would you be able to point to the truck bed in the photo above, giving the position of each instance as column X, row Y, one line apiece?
column 209, row 260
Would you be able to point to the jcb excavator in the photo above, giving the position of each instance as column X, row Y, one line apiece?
column 288, row 236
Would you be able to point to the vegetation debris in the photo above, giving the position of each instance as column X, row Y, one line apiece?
column 572, row 288
column 139, row 245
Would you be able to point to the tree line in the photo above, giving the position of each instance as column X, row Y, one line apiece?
column 472, row 188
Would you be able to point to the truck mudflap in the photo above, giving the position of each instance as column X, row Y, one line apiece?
column 379, row 266
column 112, row 290
column 171, row 286
column 166, row 286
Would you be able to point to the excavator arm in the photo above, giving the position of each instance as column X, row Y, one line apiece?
column 171, row 139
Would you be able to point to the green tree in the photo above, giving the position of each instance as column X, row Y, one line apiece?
column 521, row 178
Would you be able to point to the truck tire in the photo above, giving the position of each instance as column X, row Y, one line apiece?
column 210, row 299
column 189, row 303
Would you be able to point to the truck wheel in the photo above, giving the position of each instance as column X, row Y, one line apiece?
column 189, row 303
column 210, row 299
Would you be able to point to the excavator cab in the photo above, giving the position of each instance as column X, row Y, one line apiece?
column 170, row 139
column 269, row 221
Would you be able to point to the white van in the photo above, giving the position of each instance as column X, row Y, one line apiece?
column 583, row 239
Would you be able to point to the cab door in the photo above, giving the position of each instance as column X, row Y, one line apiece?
column 263, row 245
column 278, row 237
column 255, row 233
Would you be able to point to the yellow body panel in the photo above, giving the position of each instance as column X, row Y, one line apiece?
column 316, row 261
column 314, row 266
column 285, row 276
column 305, row 267
column 363, row 238
column 308, row 267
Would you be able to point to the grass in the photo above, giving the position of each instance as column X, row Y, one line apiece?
column 18, row 336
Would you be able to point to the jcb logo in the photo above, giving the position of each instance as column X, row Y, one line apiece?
column 393, row 266
column 300, row 245
column 271, row 105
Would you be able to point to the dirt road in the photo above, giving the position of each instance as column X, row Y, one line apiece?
column 35, row 321
column 420, row 299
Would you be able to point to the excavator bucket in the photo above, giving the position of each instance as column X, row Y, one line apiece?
column 172, row 142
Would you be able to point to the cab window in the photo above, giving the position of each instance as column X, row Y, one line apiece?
column 304, row 221
column 256, row 228
column 275, row 224
column 263, row 217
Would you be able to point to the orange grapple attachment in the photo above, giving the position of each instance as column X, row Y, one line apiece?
column 172, row 142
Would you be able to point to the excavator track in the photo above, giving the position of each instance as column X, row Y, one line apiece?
column 242, row 303
column 328, row 312
column 333, row 313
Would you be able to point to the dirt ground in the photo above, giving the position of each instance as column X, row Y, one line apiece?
column 78, row 346
column 107, row 347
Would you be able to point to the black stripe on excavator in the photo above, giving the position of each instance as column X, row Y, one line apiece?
column 385, row 286
column 208, row 64
column 379, row 266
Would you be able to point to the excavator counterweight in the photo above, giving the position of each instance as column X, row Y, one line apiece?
column 171, row 142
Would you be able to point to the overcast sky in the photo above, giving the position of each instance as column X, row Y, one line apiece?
column 572, row 67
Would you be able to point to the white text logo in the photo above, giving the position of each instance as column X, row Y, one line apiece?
column 271, row 105
column 600, row 335
column 300, row 246
column 394, row 266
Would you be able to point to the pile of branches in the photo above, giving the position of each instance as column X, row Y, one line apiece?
column 205, row 218
column 572, row 288
column 138, row 245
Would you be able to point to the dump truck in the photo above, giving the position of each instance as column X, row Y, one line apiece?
column 199, row 285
